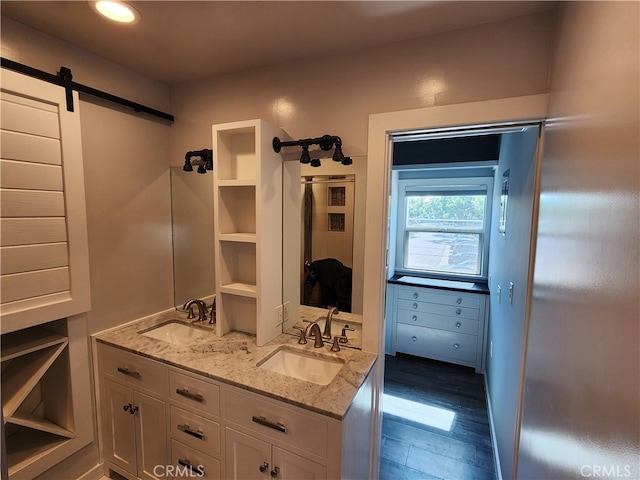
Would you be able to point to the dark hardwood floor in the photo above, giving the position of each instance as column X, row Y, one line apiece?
column 412, row 448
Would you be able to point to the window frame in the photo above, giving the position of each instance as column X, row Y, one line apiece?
column 440, row 185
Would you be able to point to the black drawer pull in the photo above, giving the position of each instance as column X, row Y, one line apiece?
column 263, row 421
column 198, row 470
column 193, row 396
column 185, row 428
column 131, row 373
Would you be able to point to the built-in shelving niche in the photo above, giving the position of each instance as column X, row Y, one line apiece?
column 37, row 407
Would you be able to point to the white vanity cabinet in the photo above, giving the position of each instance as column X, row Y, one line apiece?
column 266, row 438
column 194, row 426
column 162, row 421
column 134, row 389
column 445, row 325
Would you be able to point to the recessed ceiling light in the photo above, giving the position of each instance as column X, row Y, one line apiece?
column 117, row 11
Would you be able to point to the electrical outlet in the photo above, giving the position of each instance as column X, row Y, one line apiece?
column 286, row 311
column 279, row 315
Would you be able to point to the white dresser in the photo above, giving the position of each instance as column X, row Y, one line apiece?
column 447, row 325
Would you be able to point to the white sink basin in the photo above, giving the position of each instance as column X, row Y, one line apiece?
column 319, row 370
column 175, row 332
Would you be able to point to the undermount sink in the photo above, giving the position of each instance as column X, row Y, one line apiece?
column 311, row 368
column 175, row 332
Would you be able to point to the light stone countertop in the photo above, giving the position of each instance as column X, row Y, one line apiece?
column 233, row 359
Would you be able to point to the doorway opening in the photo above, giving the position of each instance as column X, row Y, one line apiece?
column 449, row 215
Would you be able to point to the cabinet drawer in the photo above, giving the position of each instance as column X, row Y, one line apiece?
column 278, row 421
column 195, row 431
column 442, row 322
column 134, row 370
column 195, row 392
column 444, row 297
column 189, row 463
column 434, row 343
column 439, row 309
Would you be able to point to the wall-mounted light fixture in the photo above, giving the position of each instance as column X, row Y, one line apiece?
column 204, row 163
column 326, row 143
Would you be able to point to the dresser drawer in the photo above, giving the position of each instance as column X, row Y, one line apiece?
column 442, row 322
column 195, row 392
column 133, row 370
column 189, row 463
column 195, row 431
column 444, row 297
column 278, row 421
column 434, row 343
column 439, row 309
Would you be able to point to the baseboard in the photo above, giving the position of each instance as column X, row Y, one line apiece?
column 494, row 442
column 94, row 474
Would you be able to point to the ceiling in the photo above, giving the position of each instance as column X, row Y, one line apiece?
column 182, row 41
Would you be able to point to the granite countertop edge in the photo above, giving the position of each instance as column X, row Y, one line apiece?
column 232, row 359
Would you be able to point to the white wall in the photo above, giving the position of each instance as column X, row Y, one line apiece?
column 509, row 263
column 335, row 95
column 582, row 392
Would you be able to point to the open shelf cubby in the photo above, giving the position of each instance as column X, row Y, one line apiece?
column 36, row 394
column 237, row 159
column 237, row 210
column 238, row 268
column 239, row 313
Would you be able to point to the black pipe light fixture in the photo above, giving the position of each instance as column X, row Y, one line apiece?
column 204, row 163
column 326, row 143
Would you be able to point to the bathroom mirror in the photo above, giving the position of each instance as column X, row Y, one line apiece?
column 192, row 228
column 323, row 226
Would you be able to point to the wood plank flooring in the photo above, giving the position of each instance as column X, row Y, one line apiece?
column 412, row 449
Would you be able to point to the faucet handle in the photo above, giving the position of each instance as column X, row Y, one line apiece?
column 343, row 336
column 303, row 337
column 338, row 338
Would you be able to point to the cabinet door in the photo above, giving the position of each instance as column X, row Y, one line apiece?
column 120, row 434
column 246, row 457
column 294, row 467
column 151, row 432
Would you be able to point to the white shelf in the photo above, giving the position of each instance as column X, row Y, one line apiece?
column 23, row 374
column 248, row 227
column 28, row 446
column 38, row 423
column 241, row 289
column 238, row 237
column 23, row 342
column 242, row 182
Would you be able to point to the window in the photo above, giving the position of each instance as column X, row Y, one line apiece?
column 443, row 226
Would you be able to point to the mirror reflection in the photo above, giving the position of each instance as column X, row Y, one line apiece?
column 332, row 236
column 323, row 239
column 192, row 229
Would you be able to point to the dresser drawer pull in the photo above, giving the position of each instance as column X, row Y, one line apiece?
column 458, row 324
column 459, row 300
column 414, row 318
column 131, row 373
column 415, row 305
column 276, row 426
column 458, row 311
column 185, row 428
column 456, row 345
column 415, row 294
column 414, row 338
column 198, row 470
column 193, row 396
